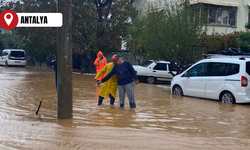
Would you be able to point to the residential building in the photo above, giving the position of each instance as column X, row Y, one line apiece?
column 224, row 16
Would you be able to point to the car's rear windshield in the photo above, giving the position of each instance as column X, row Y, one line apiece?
column 248, row 67
column 17, row 54
column 147, row 63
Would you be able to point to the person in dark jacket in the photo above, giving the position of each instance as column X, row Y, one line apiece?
column 126, row 77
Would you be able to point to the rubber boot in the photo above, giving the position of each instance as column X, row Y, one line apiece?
column 100, row 100
column 112, row 99
column 132, row 105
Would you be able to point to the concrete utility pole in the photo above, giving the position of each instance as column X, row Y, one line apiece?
column 64, row 61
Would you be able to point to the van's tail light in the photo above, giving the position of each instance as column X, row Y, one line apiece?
column 9, row 56
column 244, row 81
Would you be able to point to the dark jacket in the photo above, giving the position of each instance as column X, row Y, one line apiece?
column 125, row 73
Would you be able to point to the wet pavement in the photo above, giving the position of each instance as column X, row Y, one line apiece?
column 160, row 121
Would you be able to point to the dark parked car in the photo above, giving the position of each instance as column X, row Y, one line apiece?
column 76, row 61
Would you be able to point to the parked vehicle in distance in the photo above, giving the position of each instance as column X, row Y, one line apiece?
column 76, row 62
column 151, row 71
column 13, row 57
column 224, row 78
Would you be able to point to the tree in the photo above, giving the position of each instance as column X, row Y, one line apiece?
column 169, row 34
column 96, row 25
column 244, row 42
column 100, row 25
column 244, row 39
column 1, row 44
column 40, row 42
column 220, row 42
column 248, row 24
column 11, row 40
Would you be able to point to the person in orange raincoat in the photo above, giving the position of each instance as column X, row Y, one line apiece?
column 100, row 62
column 108, row 88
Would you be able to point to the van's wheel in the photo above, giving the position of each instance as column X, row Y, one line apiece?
column 151, row 80
column 177, row 90
column 227, row 97
column 6, row 64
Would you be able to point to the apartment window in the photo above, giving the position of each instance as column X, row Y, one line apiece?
column 219, row 15
column 248, row 14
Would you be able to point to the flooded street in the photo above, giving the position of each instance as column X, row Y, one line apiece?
column 160, row 121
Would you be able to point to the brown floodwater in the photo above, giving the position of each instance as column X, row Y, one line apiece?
column 160, row 121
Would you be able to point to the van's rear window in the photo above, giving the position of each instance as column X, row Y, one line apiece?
column 248, row 67
column 17, row 54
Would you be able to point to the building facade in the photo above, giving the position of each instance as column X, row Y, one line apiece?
column 224, row 16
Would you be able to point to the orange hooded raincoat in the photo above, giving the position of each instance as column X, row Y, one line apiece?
column 100, row 64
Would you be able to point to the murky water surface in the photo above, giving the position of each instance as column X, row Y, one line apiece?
column 160, row 121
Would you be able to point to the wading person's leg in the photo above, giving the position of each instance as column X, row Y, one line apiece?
column 121, row 95
column 112, row 99
column 131, row 94
column 100, row 100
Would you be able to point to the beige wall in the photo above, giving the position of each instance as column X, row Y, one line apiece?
column 242, row 13
column 142, row 5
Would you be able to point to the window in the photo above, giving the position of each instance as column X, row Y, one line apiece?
column 198, row 70
column 225, row 16
column 161, row 66
column 212, row 15
column 4, row 53
column 172, row 67
column 248, row 68
column 232, row 17
column 17, row 54
column 217, row 69
column 233, row 69
column 218, row 16
column 147, row 63
column 248, row 14
column 222, row 15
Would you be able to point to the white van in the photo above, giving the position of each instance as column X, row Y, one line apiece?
column 13, row 57
column 224, row 78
